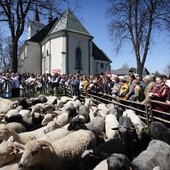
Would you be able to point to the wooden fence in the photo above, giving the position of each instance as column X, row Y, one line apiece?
column 145, row 112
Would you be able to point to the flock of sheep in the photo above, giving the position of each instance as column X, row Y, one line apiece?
column 47, row 133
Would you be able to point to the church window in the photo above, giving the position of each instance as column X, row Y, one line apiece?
column 78, row 58
column 47, row 53
column 101, row 65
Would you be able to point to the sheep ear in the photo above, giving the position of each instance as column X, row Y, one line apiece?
column 11, row 139
column 16, row 151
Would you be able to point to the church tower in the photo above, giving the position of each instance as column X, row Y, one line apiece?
column 35, row 25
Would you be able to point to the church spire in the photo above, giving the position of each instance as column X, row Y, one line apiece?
column 36, row 14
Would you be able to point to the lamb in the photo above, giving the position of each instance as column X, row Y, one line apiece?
column 111, row 122
column 62, row 154
column 159, row 131
column 6, row 105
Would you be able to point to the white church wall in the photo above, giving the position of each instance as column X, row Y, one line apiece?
column 56, row 55
column 82, row 42
column 32, row 60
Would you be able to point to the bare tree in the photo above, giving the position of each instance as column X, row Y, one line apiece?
column 15, row 14
column 167, row 69
column 135, row 21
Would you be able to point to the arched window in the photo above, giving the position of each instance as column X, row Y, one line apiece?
column 78, row 58
column 47, row 53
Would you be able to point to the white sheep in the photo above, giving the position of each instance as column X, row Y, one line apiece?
column 10, row 151
column 51, row 100
column 48, row 118
column 12, row 112
column 55, row 134
column 52, row 125
column 88, row 102
column 103, row 110
column 5, row 105
column 111, row 122
column 93, row 112
column 22, row 138
column 61, row 154
column 17, row 127
column 96, row 125
column 137, row 122
column 65, row 99
column 14, row 166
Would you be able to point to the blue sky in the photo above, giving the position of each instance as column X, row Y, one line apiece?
column 93, row 15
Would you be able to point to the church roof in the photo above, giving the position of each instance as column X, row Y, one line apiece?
column 43, row 32
column 98, row 54
column 68, row 21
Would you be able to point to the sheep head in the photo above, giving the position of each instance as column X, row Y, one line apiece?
column 5, row 133
column 76, row 123
column 34, row 151
column 9, row 151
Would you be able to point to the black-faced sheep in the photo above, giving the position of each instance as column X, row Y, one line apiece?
column 97, row 125
column 61, row 154
column 91, row 158
column 30, row 122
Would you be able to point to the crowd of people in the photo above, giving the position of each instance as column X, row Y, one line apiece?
column 129, row 87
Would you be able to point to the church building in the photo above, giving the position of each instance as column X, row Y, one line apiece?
column 63, row 46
